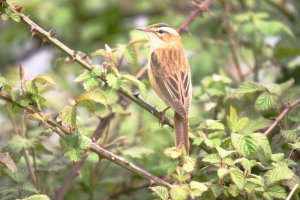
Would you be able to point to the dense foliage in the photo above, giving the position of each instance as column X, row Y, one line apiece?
column 244, row 121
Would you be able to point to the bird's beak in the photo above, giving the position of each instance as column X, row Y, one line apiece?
column 142, row 29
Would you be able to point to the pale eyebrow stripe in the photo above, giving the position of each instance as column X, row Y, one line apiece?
column 169, row 30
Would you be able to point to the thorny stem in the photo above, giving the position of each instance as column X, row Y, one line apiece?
column 287, row 109
column 49, row 36
column 95, row 147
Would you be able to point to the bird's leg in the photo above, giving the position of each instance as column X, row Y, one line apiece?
column 163, row 115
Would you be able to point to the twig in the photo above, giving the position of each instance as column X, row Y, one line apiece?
column 62, row 190
column 50, row 122
column 281, row 116
column 201, row 6
column 49, row 36
column 232, row 44
column 292, row 192
column 30, row 168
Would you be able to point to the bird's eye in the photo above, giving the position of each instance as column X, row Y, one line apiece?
column 160, row 31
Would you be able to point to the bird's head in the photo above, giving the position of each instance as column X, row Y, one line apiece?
column 161, row 34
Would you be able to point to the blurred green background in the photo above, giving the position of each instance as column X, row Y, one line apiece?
column 265, row 34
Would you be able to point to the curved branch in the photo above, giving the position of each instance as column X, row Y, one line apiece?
column 61, row 129
column 287, row 109
column 50, row 37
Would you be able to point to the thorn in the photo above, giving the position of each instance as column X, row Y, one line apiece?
column 84, row 57
column 32, row 27
column 19, row 9
column 43, row 42
column 51, row 33
column 32, row 34
column 151, row 182
column 74, row 56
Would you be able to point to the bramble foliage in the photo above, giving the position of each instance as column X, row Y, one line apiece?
column 51, row 120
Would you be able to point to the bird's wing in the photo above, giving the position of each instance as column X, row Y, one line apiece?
column 172, row 75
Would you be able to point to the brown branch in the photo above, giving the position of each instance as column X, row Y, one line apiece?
column 63, row 189
column 61, row 129
column 232, row 44
column 201, row 6
column 287, row 109
column 49, row 36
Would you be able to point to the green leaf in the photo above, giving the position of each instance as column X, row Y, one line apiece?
column 161, row 192
column 17, row 143
column 68, row 115
column 222, row 172
column 233, row 190
column 15, row 17
column 4, row 17
column 137, row 83
column 138, row 152
column 224, row 153
column 277, row 157
column 291, row 135
column 31, row 87
column 96, row 96
column 265, row 101
column 264, row 146
column 83, row 77
column 74, row 154
column 173, row 152
column 244, row 144
column 179, row 193
column 240, row 124
column 248, row 164
column 197, row 188
column 279, row 174
column 38, row 197
column 90, row 84
column 130, row 54
column 211, row 125
column 249, row 87
column 20, row 175
column 212, row 158
column 84, row 142
column 96, row 72
column 275, row 192
column 189, row 164
column 43, row 79
column 113, row 81
column 237, row 177
column 295, row 145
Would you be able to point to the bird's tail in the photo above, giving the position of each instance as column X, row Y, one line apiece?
column 181, row 131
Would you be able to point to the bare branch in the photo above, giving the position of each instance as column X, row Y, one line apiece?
column 200, row 7
column 61, row 129
column 287, row 109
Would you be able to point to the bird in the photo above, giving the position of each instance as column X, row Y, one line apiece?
column 170, row 76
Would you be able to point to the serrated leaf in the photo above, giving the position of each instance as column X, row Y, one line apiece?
column 68, row 115
column 17, row 143
column 96, row 96
column 211, row 125
column 90, row 84
column 38, row 197
column 291, row 135
column 179, row 193
column 244, row 144
column 278, row 174
column 130, row 54
column 295, row 145
column 222, row 172
column 31, row 87
column 275, row 192
column 249, row 87
column 240, row 124
column 197, row 188
column 212, row 158
column 8, row 162
column 113, row 81
column 277, row 157
column 82, row 77
column 189, row 164
column 248, row 164
column 96, row 72
column 233, row 190
column 264, row 101
column 173, row 152
column 264, row 146
column 137, row 83
column 224, row 153
column 84, row 142
column 30, row 188
column 20, row 175
column 74, row 154
column 43, row 79
column 237, row 177
column 161, row 192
